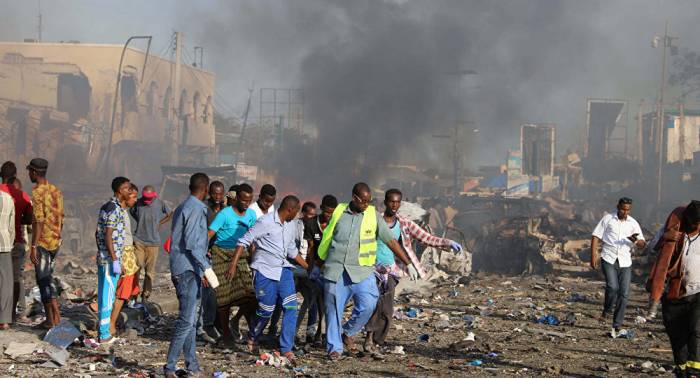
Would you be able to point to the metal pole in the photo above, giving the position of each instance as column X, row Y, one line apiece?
column 660, row 119
column 455, row 161
column 108, row 156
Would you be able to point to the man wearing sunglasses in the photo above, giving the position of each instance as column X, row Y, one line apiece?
column 348, row 252
column 619, row 233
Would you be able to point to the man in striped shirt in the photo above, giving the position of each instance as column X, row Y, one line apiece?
column 388, row 271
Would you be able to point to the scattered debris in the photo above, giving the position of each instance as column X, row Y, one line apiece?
column 548, row 319
column 63, row 334
column 271, row 359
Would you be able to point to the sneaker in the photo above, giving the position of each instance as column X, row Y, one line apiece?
column 613, row 333
column 135, row 305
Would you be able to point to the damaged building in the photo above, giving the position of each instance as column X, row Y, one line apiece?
column 57, row 100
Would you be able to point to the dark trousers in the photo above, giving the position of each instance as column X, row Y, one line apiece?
column 380, row 322
column 617, row 289
column 682, row 322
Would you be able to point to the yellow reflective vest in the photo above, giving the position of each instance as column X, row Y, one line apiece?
column 368, row 235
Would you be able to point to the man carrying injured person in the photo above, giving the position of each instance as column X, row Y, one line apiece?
column 274, row 235
column 348, row 252
column 388, row 272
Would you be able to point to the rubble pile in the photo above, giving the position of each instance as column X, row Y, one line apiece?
column 530, row 245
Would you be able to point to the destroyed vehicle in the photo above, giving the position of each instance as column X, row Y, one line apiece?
column 176, row 180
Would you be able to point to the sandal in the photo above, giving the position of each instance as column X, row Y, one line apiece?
column 290, row 357
column 349, row 343
column 335, row 356
column 253, row 347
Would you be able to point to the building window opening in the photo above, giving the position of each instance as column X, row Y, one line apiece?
column 73, row 93
column 182, row 109
column 166, row 102
column 151, row 97
column 128, row 94
column 196, row 107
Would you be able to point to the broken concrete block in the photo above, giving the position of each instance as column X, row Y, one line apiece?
column 15, row 350
column 50, row 365
column 57, row 355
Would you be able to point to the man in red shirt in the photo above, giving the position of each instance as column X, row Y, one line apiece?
column 23, row 216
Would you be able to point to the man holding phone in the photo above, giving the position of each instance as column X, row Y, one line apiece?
column 619, row 233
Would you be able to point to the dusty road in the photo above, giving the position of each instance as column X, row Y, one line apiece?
column 500, row 311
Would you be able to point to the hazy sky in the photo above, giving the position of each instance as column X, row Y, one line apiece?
column 380, row 65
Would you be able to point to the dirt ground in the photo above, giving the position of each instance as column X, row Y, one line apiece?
column 500, row 311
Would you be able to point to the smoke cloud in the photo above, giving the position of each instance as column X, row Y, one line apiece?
column 379, row 75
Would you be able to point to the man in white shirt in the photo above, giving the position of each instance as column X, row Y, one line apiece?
column 265, row 201
column 7, row 240
column 619, row 233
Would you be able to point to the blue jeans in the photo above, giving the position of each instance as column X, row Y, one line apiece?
column 207, row 309
column 336, row 295
column 106, row 294
column 44, row 273
column 188, row 290
column 617, row 289
column 268, row 292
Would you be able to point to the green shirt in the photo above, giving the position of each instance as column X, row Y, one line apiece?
column 343, row 253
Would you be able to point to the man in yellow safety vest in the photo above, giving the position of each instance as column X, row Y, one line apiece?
column 348, row 252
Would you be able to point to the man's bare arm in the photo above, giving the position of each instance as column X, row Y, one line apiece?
column 395, row 247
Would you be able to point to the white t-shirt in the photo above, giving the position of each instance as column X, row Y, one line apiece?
column 691, row 264
column 259, row 213
column 614, row 232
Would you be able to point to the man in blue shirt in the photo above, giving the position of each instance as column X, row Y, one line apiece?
column 188, row 262
column 274, row 236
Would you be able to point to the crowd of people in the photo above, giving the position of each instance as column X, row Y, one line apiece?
column 226, row 250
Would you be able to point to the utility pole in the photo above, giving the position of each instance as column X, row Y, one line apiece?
column 640, row 133
column 241, row 137
column 667, row 41
column 456, row 156
column 177, row 95
column 40, row 21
